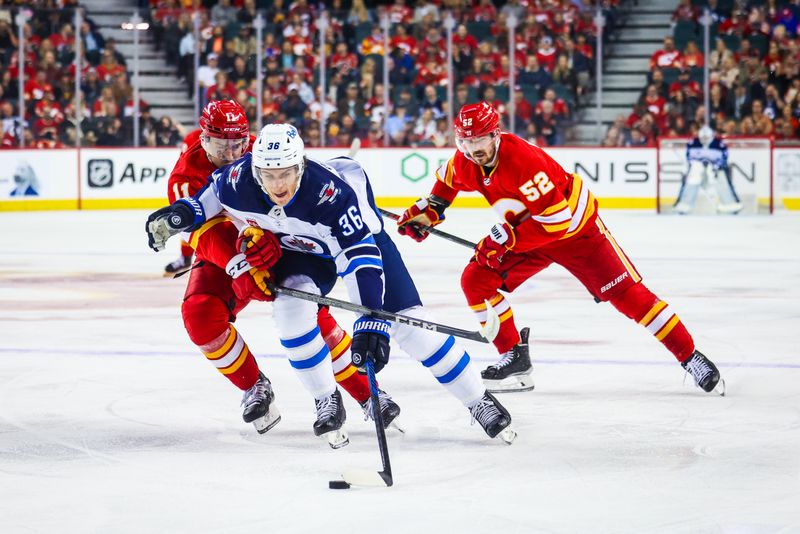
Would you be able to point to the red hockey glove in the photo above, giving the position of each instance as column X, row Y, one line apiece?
column 491, row 249
column 249, row 283
column 262, row 248
column 423, row 212
column 252, row 285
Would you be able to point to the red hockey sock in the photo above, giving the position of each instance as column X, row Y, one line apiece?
column 338, row 343
column 641, row 305
column 206, row 320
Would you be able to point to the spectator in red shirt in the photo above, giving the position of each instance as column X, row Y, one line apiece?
column 343, row 60
column 464, row 40
column 109, row 67
column 667, row 57
column 400, row 13
column 403, row 41
column 484, row 12
column 685, row 12
column 559, row 108
column 656, row 105
column 523, row 111
column 547, row 53
column 222, row 90
column 692, row 56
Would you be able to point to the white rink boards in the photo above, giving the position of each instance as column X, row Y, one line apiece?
column 110, row 421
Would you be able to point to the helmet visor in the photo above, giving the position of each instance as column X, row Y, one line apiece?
column 225, row 150
column 471, row 145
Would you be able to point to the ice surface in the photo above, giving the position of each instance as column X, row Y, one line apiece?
column 110, row 420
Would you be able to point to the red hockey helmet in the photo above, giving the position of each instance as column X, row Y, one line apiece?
column 225, row 132
column 224, row 119
column 476, row 120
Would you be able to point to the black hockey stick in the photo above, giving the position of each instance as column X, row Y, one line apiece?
column 443, row 235
column 434, row 231
column 377, row 416
column 472, row 335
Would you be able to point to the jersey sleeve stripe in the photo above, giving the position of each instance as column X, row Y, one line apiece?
column 582, row 204
column 195, row 236
column 361, row 262
column 559, row 217
column 555, row 207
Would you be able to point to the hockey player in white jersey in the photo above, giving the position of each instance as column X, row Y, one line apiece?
column 326, row 211
column 707, row 157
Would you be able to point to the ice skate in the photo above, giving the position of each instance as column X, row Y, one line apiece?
column 705, row 373
column 513, row 371
column 730, row 209
column 389, row 410
column 259, row 407
column 493, row 417
column 178, row 267
column 330, row 419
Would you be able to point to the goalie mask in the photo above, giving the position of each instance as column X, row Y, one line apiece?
column 477, row 129
column 279, row 161
column 705, row 135
column 225, row 132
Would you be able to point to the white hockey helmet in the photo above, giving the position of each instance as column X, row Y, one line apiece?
column 278, row 146
column 705, row 135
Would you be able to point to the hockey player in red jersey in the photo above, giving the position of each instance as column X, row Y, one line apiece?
column 221, row 281
column 548, row 216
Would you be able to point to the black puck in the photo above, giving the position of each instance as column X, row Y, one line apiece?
column 338, row 484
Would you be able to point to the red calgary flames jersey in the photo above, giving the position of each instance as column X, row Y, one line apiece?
column 527, row 188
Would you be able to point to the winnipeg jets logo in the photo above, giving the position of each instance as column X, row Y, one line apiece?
column 291, row 132
column 328, row 193
column 301, row 244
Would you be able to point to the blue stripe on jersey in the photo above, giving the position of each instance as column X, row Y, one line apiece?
column 361, row 250
column 371, row 261
column 308, row 363
column 455, row 371
column 437, row 356
column 300, row 340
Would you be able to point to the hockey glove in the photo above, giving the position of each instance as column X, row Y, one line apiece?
column 491, row 249
column 370, row 340
column 168, row 221
column 426, row 212
column 262, row 248
column 249, row 283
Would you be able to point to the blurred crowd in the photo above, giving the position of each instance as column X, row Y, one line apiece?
column 553, row 58
column 106, row 100
column 754, row 75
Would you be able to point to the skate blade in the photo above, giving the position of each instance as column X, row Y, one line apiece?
column 397, row 426
column 265, row 424
column 362, row 477
column 510, row 384
column 507, row 436
column 176, row 274
column 337, row 438
column 720, row 388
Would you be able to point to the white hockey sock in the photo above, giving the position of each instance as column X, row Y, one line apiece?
column 447, row 360
column 300, row 336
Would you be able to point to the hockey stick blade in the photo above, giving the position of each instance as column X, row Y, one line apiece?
column 380, row 314
column 363, row 477
column 491, row 328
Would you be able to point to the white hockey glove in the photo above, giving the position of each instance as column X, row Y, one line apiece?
column 166, row 222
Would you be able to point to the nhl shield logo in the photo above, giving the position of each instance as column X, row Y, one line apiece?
column 487, row 181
